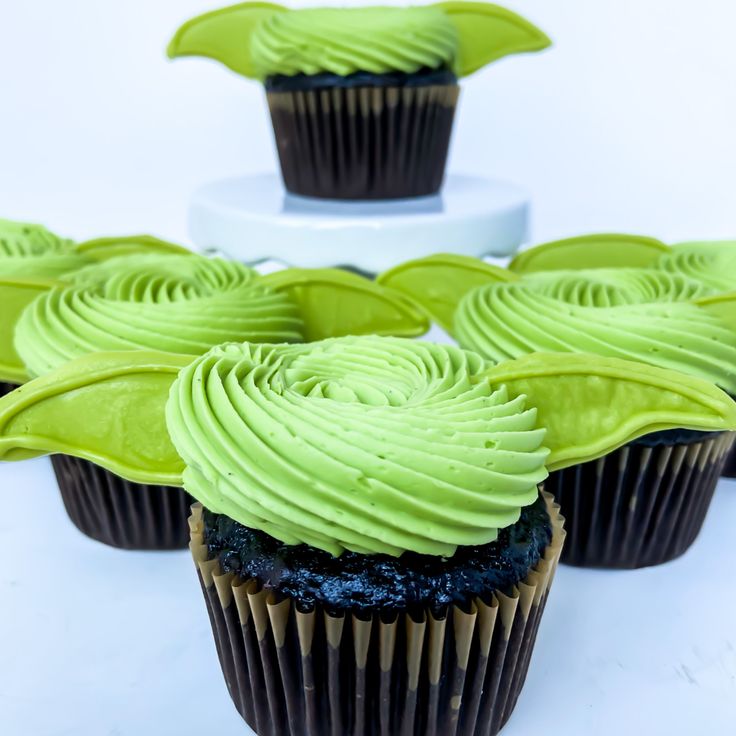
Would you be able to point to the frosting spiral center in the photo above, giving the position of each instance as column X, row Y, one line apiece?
column 376, row 445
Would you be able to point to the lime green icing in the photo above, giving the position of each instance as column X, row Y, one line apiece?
column 178, row 304
column 511, row 320
column 346, row 40
column 30, row 251
column 611, row 287
column 261, row 39
column 488, row 32
column 15, row 296
column 333, row 302
column 102, row 249
column 713, row 263
column 590, row 405
column 377, row 445
column 365, row 443
column 438, row 283
column 104, row 407
column 615, row 250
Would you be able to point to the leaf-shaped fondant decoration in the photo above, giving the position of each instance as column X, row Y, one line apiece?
column 101, row 249
column 223, row 35
column 15, row 296
column 722, row 306
column 439, row 282
column 489, row 32
column 105, row 407
column 592, row 405
column 614, row 250
column 334, row 303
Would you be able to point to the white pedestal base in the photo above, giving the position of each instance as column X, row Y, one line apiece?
column 253, row 219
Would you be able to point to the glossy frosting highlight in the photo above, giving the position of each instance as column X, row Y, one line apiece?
column 177, row 304
column 375, row 445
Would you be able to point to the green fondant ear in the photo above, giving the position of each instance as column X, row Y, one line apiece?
column 223, row 35
column 103, row 407
column 334, row 303
column 103, row 248
column 722, row 306
column 15, row 296
column 439, row 282
column 615, row 250
column 489, row 32
column 592, row 405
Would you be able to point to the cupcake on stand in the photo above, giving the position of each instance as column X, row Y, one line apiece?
column 362, row 102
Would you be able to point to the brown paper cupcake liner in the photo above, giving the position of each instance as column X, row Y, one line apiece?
column 729, row 467
column 296, row 673
column 6, row 388
column 364, row 142
column 119, row 513
column 640, row 505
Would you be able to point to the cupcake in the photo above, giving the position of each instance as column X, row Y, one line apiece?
column 32, row 261
column 713, row 264
column 645, row 503
column 373, row 550
column 182, row 305
column 363, row 99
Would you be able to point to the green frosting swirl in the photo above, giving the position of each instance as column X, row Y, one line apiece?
column 347, row 40
column 503, row 321
column 612, row 287
column 711, row 263
column 31, row 251
column 177, row 304
column 376, row 445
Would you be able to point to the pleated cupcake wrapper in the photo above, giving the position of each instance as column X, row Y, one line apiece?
column 638, row 506
column 729, row 467
column 294, row 673
column 6, row 388
column 119, row 513
column 364, row 142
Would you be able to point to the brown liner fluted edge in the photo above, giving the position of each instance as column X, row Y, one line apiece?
column 638, row 506
column 729, row 467
column 6, row 388
column 119, row 513
column 364, row 142
column 314, row 674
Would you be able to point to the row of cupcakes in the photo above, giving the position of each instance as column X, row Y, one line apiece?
column 372, row 545
column 619, row 296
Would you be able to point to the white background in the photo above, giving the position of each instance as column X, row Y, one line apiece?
column 628, row 123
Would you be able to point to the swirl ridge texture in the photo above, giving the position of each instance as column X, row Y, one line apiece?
column 32, row 251
column 375, row 445
column 638, row 322
column 347, row 40
column 177, row 304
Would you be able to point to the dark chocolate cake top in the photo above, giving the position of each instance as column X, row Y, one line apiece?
column 369, row 583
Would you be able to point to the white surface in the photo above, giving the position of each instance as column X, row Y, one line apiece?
column 101, row 642
column 626, row 124
column 253, row 219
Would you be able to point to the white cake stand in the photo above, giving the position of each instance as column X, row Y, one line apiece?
column 254, row 219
